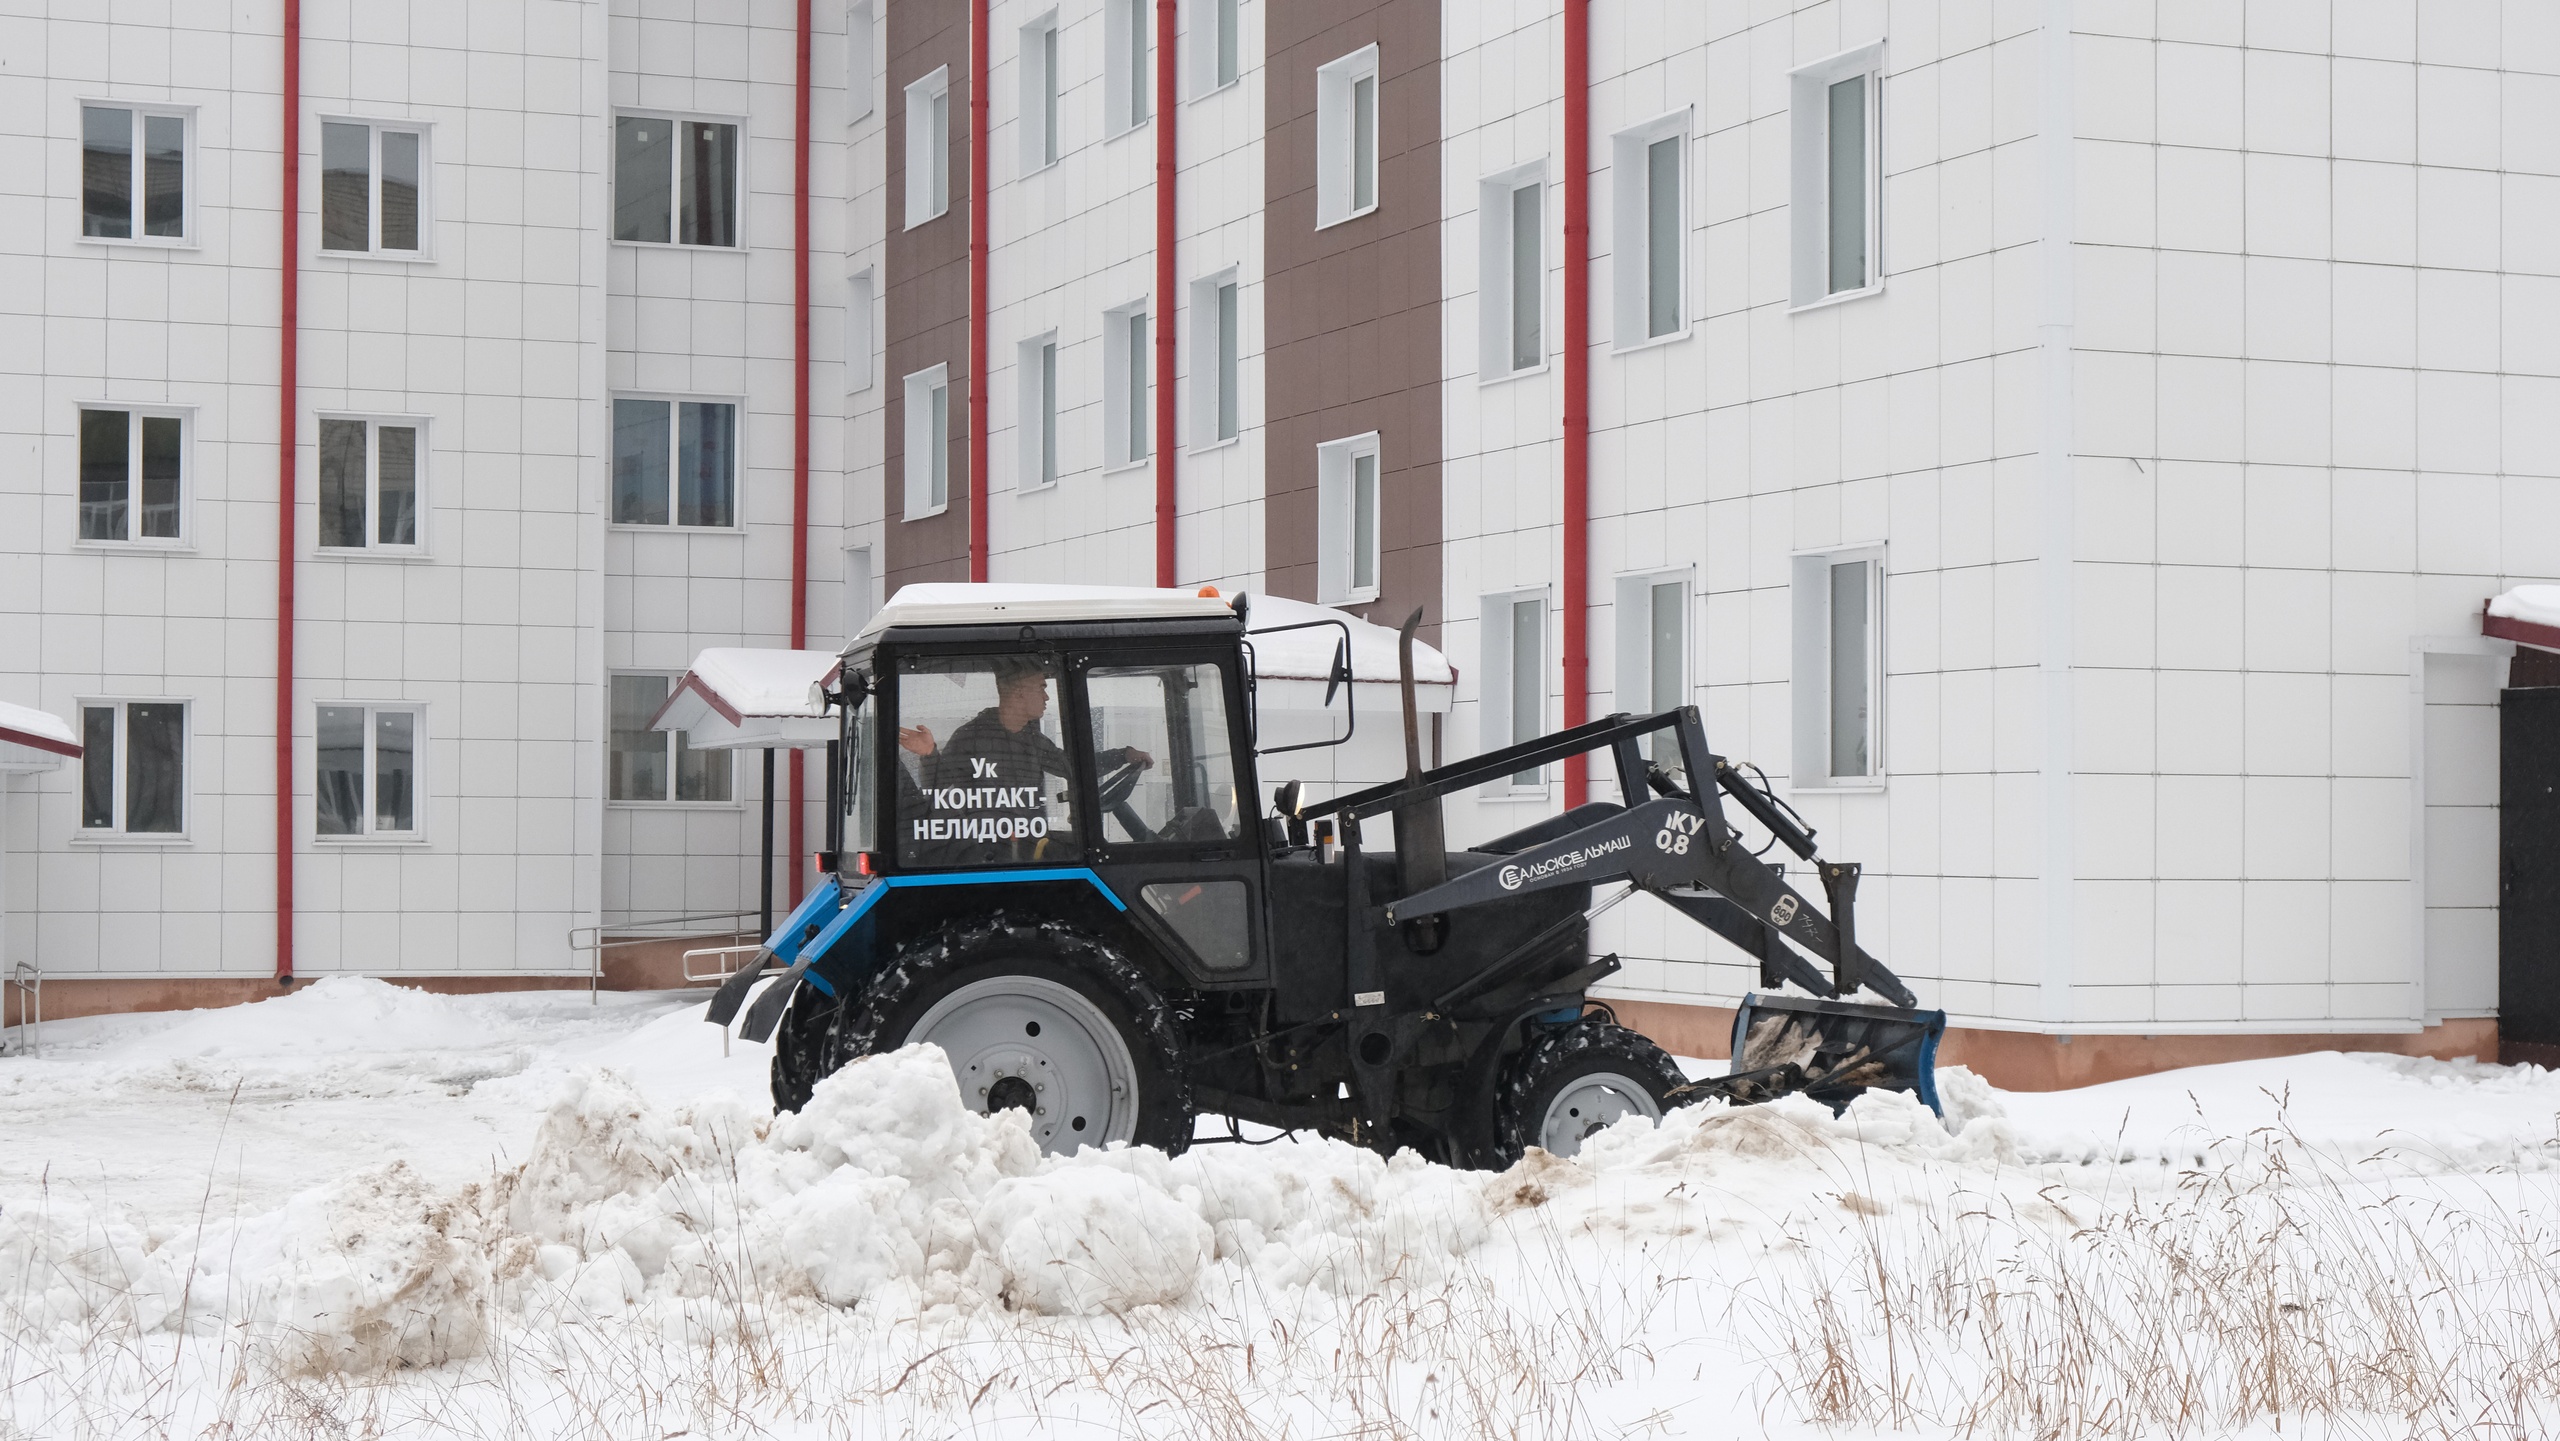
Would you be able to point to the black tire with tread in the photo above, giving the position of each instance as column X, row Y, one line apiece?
column 960, row 952
column 799, row 1044
column 1555, row 1058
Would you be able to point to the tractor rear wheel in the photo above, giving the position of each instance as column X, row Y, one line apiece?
column 1573, row 1081
column 1034, row 1017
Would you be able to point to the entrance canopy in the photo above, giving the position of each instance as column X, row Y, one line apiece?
column 33, row 740
column 739, row 698
column 2527, row 615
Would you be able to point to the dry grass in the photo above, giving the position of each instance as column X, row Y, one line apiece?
column 2286, row 1289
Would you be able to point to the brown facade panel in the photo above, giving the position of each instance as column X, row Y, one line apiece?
column 1352, row 312
column 926, row 294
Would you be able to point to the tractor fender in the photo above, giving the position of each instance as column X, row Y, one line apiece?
column 1474, row 1134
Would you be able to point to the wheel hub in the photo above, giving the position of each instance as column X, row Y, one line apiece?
column 1031, row 1044
column 1591, row 1104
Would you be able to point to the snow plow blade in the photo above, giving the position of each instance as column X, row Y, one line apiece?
column 1833, row 1051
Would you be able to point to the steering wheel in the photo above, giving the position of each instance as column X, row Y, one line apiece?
column 1113, row 788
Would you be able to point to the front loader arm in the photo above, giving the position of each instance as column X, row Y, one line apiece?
column 1669, row 847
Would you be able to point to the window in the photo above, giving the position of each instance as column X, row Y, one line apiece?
column 675, row 180
column 1511, row 293
column 687, row 447
column 1347, row 137
column 1649, row 171
column 929, row 147
column 857, row 61
column 1124, row 386
column 928, row 441
column 857, row 592
column 1216, row 356
column 1169, row 721
column 365, row 776
column 1347, row 520
column 370, row 187
column 1040, row 93
column 982, row 771
column 133, row 768
column 1124, row 70
column 649, row 765
column 1037, row 363
column 858, row 298
column 1835, row 186
column 1513, row 682
column 369, row 475
column 1216, row 60
column 133, row 173
column 1653, row 651
column 1839, row 674
column 133, row 475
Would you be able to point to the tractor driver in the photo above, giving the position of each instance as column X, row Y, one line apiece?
column 989, row 779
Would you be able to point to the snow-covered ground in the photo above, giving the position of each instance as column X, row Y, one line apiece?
column 360, row 1210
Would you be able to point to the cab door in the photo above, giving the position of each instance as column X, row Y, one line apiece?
column 1173, row 813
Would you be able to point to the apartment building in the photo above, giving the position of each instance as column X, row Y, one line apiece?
column 2067, row 446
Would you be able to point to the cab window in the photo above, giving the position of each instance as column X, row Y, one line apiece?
column 1164, row 758
column 981, row 777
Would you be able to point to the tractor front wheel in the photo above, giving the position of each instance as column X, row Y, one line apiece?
column 1573, row 1081
column 1036, row 1018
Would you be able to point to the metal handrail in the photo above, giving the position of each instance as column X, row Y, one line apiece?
column 28, row 982
column 594, row 938
column 724, row 972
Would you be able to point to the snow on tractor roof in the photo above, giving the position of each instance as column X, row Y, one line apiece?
column 1279, row 655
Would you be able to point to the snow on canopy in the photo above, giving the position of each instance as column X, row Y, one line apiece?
column 31, row 739
column 735, row 697
column 2532, row 604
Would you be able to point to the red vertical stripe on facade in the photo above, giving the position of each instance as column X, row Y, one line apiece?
column 1168, row 165
column 978, row 65
column 800, row 420
column 288, row 332
column 1576, row 608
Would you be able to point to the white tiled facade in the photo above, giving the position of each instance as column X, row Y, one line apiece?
column 2209, row 386
column 504, row 340
column 2208, row 393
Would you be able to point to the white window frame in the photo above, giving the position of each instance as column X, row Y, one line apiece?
column 185, row 415
column 1339, row 146
column 1128, row 434
column 373, row 486
column 918, row 461
column 374, row 248
column 1497, row 280
column 185, row 239
column 1631, row 259
column 859, row 606
column 1037, row 420
column 1811, row 687
column 861, row 74
column 861, row 301
column 737, row 789
column 1337, row 521
column 1217, row 27
column 1127, row 103
column 1043, row 116
column 675, row 439
column 122, row 770
column 675, row 200
column 1210, row 340
column 1497, row 670
column 371, row 835
column 1809, row 166
column 1635, row 676
column 928, row 187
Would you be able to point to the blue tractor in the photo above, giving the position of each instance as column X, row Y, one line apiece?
column 1047, row 855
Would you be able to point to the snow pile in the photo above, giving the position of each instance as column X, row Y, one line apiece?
column 336, row 1016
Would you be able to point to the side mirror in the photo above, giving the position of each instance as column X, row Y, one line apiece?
column 1338, row 674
